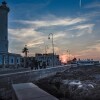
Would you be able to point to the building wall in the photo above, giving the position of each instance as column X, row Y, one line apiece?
column 48, row 59
column 0, row 59
column 10, row 59
column 4, row 28
column 18, row 60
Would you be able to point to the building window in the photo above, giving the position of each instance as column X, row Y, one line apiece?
column 17, row 60
column 12, row 61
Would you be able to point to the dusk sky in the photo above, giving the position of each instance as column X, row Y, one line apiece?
column 75, row 25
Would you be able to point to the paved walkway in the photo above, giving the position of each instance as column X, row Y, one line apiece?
column 29, row 91
column 8, row 70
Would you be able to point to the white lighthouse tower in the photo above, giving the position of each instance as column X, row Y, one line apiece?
column 6, row 59
column 4, row 27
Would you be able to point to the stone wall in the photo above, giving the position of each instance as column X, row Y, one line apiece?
column 6, row 80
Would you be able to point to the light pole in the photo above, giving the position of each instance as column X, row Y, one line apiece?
column 52, row 47
column 46, row 47
column 68, row 54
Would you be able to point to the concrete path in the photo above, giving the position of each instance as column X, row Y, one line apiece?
column 29, row 91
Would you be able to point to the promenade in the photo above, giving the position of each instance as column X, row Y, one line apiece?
column 29, row 91
column 6, row 80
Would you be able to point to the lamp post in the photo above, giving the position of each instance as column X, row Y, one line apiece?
column 68, row 54
column 51, row 34
column 46, row 47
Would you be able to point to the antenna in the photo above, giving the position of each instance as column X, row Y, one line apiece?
column 80, row 3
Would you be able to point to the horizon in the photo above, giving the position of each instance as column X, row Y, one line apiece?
column 75, row 27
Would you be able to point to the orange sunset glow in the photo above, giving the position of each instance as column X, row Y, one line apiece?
column 64, row 58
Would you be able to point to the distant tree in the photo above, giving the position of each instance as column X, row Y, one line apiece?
column 25, row 50
column 74, row 59
column 79, row 59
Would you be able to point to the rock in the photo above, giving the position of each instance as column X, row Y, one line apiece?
column 76, row 84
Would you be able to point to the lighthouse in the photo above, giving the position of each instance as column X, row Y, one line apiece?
column 6, row 59
column 4, row 27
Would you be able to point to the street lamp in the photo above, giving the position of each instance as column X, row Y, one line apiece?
column 68, row 54
column 51, row 34
column 46, row 47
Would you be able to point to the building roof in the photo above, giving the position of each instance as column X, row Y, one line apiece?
column 12, row 54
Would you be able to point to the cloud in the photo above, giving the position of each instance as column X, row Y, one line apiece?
column 19, row 33
column 95, row 47
column 93, row 5
column 90, row 52
column 66, row 32
column 53, row 22
column 80, row 27
column 19, row 37
column 48, row 25
column 33, row 38
column 83, row 29
column 34, row 44
column 59, row 35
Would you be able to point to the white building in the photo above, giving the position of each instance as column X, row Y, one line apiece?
column 48, row 59
column 86, row 62
column 6, row 58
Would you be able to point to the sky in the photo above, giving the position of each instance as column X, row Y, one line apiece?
column 75, row 25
